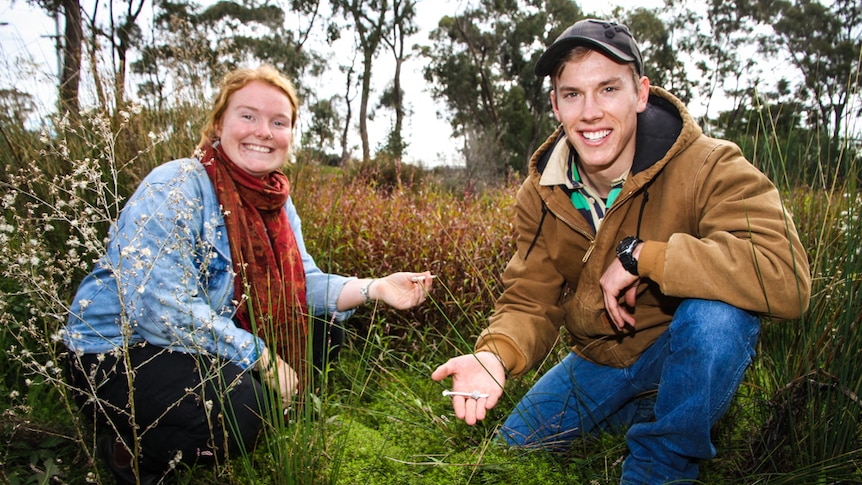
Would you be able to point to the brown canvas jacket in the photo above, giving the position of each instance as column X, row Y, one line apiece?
column 714, row 228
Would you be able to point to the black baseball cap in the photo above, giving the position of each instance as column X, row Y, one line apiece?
column 612, row 39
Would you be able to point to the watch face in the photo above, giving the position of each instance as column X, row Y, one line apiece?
column 626, row 245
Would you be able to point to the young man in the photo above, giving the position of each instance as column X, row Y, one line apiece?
column 658, row 248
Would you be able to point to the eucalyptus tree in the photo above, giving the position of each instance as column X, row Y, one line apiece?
column 118, row 28
column 370, row 25
column 322, row 127
column 250, row 30
column 823, row 41
column 195, row 44
column 349, row 83
column 662, row 62
column 179, row 56
column 70, row 74
column 817, row 46
column 68, row 50
column 716, row 40
column 402, row 26
column 480, row 65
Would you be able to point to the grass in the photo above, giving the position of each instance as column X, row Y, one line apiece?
column 378, row 418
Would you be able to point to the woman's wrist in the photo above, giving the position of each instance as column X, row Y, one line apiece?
column 365, row 291
column 262, row 360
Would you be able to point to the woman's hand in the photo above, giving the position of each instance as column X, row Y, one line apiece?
column 399, row 290
column 278, row 375
column 402, row 290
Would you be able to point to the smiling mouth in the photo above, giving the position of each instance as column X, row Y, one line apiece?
column 258, row 148
column 595, row 135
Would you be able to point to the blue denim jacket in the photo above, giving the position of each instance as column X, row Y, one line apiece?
column 167, row 277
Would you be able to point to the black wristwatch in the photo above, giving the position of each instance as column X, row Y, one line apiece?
column 625, row 253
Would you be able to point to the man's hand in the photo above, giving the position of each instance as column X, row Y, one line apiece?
column 615, row 282
column 481, row 372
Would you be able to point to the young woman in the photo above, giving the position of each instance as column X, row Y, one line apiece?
column 205, row 292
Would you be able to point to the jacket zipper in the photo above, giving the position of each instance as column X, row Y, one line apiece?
column 591, row 238
column 589, row 251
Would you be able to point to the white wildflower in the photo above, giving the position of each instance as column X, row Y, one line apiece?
column 175, row 460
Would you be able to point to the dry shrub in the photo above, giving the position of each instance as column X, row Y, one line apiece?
column 352, row 227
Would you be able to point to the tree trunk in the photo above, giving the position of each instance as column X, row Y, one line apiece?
column 363, row 102
column 70, row 74
column 398, row 104
column 345, row 150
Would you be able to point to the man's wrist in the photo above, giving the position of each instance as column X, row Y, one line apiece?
column 500, row 360
column 625, row 253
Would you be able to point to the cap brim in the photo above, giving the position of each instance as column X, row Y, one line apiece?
column 553, row 54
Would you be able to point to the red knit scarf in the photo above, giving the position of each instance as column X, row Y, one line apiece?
column 265, row 255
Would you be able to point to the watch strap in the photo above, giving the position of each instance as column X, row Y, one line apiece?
column 625, row 253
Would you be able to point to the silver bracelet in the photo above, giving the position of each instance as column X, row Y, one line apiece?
column 364, row 291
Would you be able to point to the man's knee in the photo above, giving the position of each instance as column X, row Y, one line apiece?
column 714, row 317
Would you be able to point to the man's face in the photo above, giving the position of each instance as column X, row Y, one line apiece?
column 597, row 101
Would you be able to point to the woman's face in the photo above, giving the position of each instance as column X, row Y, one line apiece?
column 255, row 129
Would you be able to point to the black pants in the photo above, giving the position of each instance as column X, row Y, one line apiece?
column 184, row 403
column 326, row 343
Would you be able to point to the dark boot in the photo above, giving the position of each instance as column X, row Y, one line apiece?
column 118, row 459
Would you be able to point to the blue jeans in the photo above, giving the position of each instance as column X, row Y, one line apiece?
column 696, row 367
